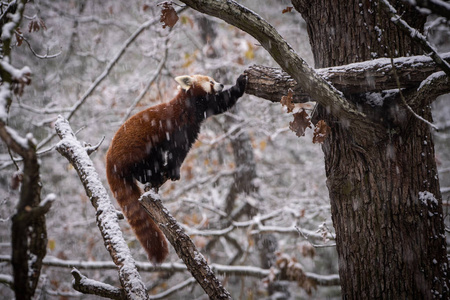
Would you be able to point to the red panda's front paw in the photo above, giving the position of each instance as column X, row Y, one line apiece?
column 241, row 83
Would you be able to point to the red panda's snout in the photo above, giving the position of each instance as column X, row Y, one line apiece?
column 216, row 87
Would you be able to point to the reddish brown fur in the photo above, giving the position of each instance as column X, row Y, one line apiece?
column 151, row 146
column 148, row 233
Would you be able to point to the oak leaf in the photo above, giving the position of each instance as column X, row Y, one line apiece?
column 169, row 16
column 19, row 37
column 321, row 131
column 288, row 9
column 287, row 101
column 300, row 123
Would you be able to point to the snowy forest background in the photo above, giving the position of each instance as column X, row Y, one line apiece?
column 68, row 45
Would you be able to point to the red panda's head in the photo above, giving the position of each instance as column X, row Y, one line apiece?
column 199, row 84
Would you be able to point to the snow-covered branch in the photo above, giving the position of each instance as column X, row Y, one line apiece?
column 325, row 280
column 184, row 246
column 436, row 83
column 88, row 286
column 415, row 35
column 106, row 215
column 438, row 7
column 369, row 76
column 6, row 279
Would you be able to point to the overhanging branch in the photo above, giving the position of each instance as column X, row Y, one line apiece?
column 370, row 76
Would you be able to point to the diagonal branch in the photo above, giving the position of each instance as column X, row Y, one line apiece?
column 106, row 215
column 415, row 35
column 314, row 85
column 184, row 246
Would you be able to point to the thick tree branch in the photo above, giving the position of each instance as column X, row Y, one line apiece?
column 88, row 286
column 313, row 84
column 106, row 215
column 184, row 247
column 370, row 76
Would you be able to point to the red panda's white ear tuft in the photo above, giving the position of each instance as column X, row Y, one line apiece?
column 185, row 81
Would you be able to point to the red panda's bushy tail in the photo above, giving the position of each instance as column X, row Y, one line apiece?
column 127, row 193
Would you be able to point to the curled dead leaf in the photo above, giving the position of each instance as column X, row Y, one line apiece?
column 36, row 24
column 169, row 16
column 287, row 101
column 300, row 123
column 288, row 9
column 321, row 131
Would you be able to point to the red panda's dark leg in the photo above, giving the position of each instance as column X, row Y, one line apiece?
column 224, row 100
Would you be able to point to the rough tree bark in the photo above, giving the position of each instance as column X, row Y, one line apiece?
column 384, row 190
column 374, row 76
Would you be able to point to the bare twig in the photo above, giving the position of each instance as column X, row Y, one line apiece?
column 306, row 237
column 92, row 149
column 149, row 83
column 106, row 214
column 46, row 56
column 174, row 289
column 404, row 100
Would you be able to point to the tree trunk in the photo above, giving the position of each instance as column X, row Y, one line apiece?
column 384, row 189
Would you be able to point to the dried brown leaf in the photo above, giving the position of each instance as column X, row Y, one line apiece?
column 36, row 24
column 16, row 180
column 169, row 16
column 300, row 123
column 288, row 9
column 321, row 131
column 287, row 101
column 19, row 36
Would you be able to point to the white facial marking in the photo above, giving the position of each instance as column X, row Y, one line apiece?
column 217, row 87
column 206, row 86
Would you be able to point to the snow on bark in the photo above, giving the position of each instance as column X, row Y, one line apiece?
column 107, row 219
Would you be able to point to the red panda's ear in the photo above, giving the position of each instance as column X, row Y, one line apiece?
column 184, row 81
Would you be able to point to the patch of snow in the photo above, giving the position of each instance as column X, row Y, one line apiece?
column 23, row 142
column 430, row 78
column 377, row 98
column 427, row 198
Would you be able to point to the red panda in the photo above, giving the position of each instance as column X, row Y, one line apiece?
column 151, row 146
